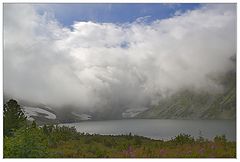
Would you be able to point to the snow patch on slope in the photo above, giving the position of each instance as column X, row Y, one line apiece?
column 34, row 111
column 132, row 112
column 82, row 116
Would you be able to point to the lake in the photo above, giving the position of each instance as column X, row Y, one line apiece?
column 159, row 128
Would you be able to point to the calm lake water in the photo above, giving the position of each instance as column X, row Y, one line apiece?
column 160, row 129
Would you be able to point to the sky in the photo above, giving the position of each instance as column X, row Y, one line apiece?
column 98, row 56
column 112, row 13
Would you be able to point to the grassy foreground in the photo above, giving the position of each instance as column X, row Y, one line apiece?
column 134, row 147
column 64, row 142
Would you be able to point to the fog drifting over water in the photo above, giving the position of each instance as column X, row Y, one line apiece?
column 96, row 65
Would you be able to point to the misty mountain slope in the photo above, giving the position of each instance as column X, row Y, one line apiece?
column 184, row 104
column 69, row 114
column 224, row 105
column 108, row 114
column 187, row 104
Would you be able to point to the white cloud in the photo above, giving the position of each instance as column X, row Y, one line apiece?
column 97, row 65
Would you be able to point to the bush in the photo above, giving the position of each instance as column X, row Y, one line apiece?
column 55, row 134
column 183, row 139
column 137, row 141
column 26, row 143
column 220, row 139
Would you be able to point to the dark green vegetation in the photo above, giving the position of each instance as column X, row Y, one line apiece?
column 13, row 117
column 188, row 104
column 29, row 140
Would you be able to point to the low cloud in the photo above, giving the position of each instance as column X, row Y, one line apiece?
column 98, row 65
